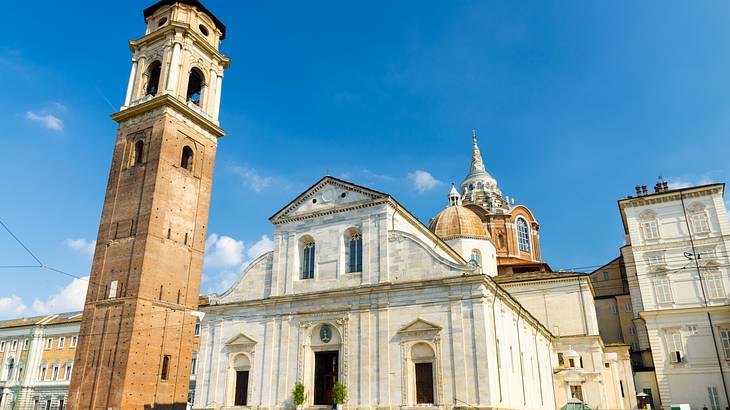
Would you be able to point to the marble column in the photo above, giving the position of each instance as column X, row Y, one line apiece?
column 174, row 72
column 130, row 83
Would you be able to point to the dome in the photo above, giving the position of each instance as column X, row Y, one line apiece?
column 457, row 221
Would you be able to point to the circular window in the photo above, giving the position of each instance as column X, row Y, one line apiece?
column 162, row 22
column 314, row 201
column 344, row 194
column 203, row 30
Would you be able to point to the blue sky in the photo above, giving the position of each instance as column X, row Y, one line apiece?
column 575, row 103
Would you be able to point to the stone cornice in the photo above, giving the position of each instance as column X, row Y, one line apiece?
column 329, row 211
column 653, row 314
column 673, row 195
column 167, row 100
column 386, row 287
column 172, row 28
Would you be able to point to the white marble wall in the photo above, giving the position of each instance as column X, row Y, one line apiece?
column 412, row 289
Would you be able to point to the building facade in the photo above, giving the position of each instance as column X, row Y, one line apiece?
column 616, row 323
column 676, row 263
column 136, row 339
column 358, row 291
column 584, row 366
column 37, row 358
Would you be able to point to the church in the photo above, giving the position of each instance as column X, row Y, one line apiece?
column 358, row 291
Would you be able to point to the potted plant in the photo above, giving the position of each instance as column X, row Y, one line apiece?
column 339, row 392
column 298, row 395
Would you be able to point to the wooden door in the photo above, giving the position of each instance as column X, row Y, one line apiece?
column 325, row 376
column 241, row 388
column 424, row 383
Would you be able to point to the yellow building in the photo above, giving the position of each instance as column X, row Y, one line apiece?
column 37, row 360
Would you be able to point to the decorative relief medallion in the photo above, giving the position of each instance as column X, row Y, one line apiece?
column 325, row 333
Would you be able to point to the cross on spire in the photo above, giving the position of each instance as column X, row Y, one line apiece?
column 474, row 135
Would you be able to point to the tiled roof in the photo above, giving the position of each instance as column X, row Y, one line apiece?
column 458, row 222
column 53, row 319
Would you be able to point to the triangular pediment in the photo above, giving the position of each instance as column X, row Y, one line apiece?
column 420, row 325
column 241, row 339
column 326, row 195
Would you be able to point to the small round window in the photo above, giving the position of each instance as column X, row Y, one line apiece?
column 162, row 22
column 203, row 30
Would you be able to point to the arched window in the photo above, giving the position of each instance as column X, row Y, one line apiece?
column 476, row 256
column 186, row 160
column 353, row 243
column 523, row 235
column 138, row 152
column 308, row 249
column 153, row 78
column 195, row 86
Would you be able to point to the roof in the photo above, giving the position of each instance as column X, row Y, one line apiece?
column 535, row 276
column 458, row 222
column 53, row 319
column 654, row 195
column 381, row 196
column 323, row 181
column 195, row 3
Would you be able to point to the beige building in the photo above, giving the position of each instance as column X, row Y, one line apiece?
column 617, row 325
column 37, row 360
column 584, row 366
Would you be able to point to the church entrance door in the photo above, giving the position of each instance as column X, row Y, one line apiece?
column 424, row 383
column 325, row 376
column 241, row 398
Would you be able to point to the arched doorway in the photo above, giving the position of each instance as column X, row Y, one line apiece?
column 239, row 377
column 325, row 345
column 424, row 366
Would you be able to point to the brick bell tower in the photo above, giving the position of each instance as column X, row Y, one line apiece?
column 135, row 345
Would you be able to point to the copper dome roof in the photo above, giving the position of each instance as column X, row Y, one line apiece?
column 458, row 222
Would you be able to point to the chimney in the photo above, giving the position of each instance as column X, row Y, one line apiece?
column 638, row 190
column 658, row 187
column 644, row 191
column 665, row 185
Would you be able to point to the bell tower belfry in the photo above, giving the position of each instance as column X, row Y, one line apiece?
column 135, row 344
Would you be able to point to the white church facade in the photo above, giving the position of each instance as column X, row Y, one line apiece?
column 358, row 291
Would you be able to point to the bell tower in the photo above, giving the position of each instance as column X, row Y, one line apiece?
column 135, row 345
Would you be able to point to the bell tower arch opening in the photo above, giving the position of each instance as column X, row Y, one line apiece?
column 153, row 223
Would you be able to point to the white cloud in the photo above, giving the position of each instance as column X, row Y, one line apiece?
column 49, row 121
column 253, row 179
column 221, row 281
column 265, row 244
column 11, row 307
column 686, row 182
column 223, row 251
column 70, row 298
column 423, row 181
column 83, row 246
